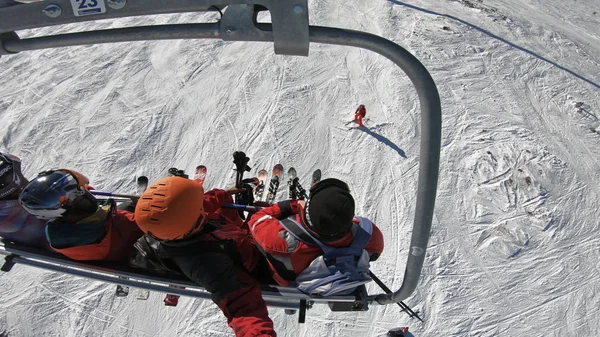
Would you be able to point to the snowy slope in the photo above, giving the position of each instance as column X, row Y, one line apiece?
column 514, row 248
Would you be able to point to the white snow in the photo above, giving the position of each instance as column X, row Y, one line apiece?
column 514, row 248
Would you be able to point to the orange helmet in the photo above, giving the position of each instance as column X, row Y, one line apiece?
column 171, row 208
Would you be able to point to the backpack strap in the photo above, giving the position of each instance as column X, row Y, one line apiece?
column 363, row 233
column 297, row 231
column 300, row 233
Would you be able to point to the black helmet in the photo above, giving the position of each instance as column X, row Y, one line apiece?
column 330, row 209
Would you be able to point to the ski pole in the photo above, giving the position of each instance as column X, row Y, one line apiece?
column 246, row 208
column 401, row 304
column 110, row 194
column 128, row 196
column 241, row 165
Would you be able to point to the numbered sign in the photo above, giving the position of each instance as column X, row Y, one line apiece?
column 88, row 7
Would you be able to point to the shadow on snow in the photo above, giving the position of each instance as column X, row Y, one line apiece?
column 382, row 139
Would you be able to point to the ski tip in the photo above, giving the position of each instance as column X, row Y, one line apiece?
column 316, row 177
column 278, row 169
column 262, row 175
column 142, row 183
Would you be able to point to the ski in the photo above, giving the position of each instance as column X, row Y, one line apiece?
column 354, row 121
column 300, row 191
column 121, row 291
column 200, row 174
column 296, row 191
column 171, row 300
column 316, row 177
column 260, row 188
column 274, row 185
column 143, row 294
column 398, row 332
column 291, row 186
column 174, row 171
column 142, row 184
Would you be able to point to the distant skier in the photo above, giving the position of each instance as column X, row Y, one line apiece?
column 359, row 114
column 79, row 227
column 15, row 223
column 187, row 234
column 328, row 215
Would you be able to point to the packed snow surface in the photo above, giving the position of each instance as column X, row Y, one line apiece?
column 514, row 247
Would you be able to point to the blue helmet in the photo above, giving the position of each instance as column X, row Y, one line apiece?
column 58, row 193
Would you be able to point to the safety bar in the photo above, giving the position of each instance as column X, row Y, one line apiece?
column 238, row 24
column 274, row 296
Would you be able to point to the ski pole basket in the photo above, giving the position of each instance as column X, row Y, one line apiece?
column 291, row 35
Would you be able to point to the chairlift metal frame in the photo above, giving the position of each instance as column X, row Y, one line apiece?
column 291, row 34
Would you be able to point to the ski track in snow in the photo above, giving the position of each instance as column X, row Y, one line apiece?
column 514, row 245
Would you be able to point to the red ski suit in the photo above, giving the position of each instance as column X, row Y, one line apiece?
column 223, row 259
column 287, row 256
column 359, row 115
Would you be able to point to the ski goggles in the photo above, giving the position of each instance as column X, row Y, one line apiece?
column 52, row 193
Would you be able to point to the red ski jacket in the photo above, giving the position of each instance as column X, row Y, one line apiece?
column 223, row 259
column 215, row 199
column 287, row 256
column 362, row 112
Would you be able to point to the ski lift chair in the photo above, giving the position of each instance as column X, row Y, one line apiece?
column 291, row 35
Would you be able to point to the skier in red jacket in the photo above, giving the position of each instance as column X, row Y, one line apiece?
column 328, row 215
column 359, row 114
column 187, row 233
column 79, row 227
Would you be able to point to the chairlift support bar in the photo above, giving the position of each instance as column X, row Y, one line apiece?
column 274, row 296
column 291, row 35
column 289, row 17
